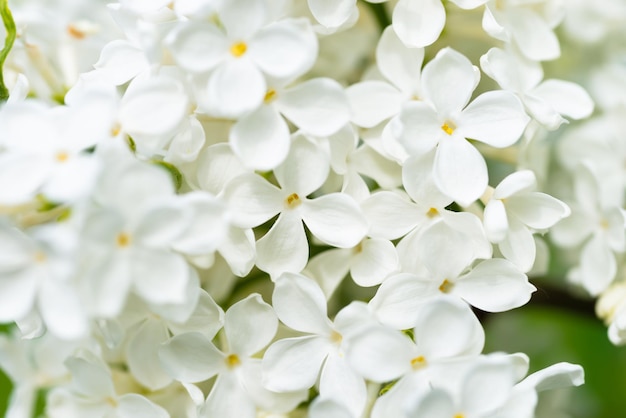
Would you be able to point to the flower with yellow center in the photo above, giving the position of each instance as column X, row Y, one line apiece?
column 445, row 119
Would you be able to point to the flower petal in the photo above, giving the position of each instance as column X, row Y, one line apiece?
column 400, row 65
column 380, row 354
column 319, row 106
column 294, row 363
column 365, row 99
column 160, row 276
column 340, row 382
column 495, row 285
column 242, row 18
column 305, row 169
column 495, row 221
column 460, row 170
column 142, row 354
column 518, row 182
column 447, row 328
column 332, row 13
column 375, row 262
column 260, row 139
column 417, row 128
column 335, row 219
column 62, row 309
column 418, row 23
column 191, row 357
column 397, row 300
column 153, row 107
column 198, row 47
column 235, row 87
column 250, row 325
column 496, row 118
column 228, row 399
column 300, row 304
column 537, row 210
column 252, row 200
column 533, row 35
column 284, row 247
column 448, row 81
column 132, row 405
column 567, row 98
column 284, row 49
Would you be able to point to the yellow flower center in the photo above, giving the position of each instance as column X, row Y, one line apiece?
column 269, row 96
column 116, row 129
column 62, row 156
column 232, row 361
column 448, row 127
column 293, row 201
column 122, row 240
column 75, row 32
column 418, row 362
column 432, row 212
column 446, row 286
column 336, row 337
column 238, row 49
column 40, row 257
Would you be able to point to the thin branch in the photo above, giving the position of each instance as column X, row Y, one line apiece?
column 9, row 25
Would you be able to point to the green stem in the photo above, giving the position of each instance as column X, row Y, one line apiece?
column 9, row 24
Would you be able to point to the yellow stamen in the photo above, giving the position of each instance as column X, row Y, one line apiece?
column 432, row 212
column 446, row 286
column 238, row 49
column 336, row 337
column 62, row 156
column 269, row 96
column 418, row 362
column 448, row 127
column 40, row 257
column 115, row 131
column 232, row 361
column 293, row 201
column 123, row 240
column 75, row 32
column 459, row 416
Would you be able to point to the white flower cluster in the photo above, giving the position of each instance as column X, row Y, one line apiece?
column 165, row 166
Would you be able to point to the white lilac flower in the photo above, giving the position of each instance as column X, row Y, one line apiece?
column 334, row 218
column 261, row 138
column 249, row 325
column 234, row 60
column 444, row 121
column 514, row 211
column 484, row 387
column 431, row 233
column 493, row 285
column 128, row 239
column 32, row 365
column 401, row 67
column 153, row 327
column 599, row 226
column 528, row 24
column 92, row 393
column 38, row 275
column 296, row 363
column 44, row 148
column 546, row 101
column 445, row 330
